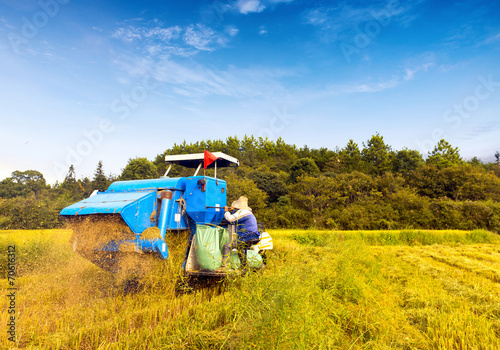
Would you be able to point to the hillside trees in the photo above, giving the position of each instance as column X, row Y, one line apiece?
column 375, row 187
column 26, row 202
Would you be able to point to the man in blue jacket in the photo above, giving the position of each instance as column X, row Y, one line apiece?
column 246, row 228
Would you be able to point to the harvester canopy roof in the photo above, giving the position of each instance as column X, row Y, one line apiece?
column 193, row 160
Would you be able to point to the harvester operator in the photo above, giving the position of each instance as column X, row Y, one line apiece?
column 246, row 228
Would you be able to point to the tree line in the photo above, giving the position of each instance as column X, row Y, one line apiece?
column 371, row 186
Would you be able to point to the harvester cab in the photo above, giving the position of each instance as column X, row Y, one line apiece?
column 133, row 217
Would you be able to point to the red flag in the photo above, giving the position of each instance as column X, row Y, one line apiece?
column 209, row 159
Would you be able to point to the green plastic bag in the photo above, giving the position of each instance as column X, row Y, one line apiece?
column 207, row 247
column 224, row 237
column 234, row 261
column 254, row 259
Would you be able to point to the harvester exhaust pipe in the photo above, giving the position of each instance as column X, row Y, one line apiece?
column 165, row 197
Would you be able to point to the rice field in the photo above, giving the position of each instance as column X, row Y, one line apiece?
column 321, row 290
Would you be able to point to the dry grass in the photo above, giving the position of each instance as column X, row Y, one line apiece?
column 321, row 290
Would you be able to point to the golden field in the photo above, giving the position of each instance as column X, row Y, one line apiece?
column 321, row 290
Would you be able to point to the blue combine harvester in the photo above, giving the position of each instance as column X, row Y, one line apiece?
column 137, row 208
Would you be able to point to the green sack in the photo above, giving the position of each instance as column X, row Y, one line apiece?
column 207, row 247
column 224, row 237
column 234, row 261
column 254, row 259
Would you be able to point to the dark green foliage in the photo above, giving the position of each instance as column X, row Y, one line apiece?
column 406, row 161
column 347, row 160
column 237, row 187
column 444, row 155
column 377, row 155
column 475, row 162
column 269, row 182
column 21, row 183
column 461, row 182
column 303, row 166
column 11, row 189
column 29, row 213
column 320, row 156
column 138, row 169
column 100, row 181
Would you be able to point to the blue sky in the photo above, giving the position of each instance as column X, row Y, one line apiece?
column 83, row 81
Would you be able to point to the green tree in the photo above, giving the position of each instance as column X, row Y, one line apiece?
column 139, row 168
column 31, row 179
column 406, row 161
column 100, row 181
column 444, row 155
column 303, row 166
column 11, row 189
column 269, row 182
column 377, row 155
column 350, row 157
column 71, row 186
column 316, row 195
column 461, row 182
column 70, row 176
column 475, row 161
column 237, row 187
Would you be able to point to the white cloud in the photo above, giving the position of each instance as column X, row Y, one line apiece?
column 165, row 34
column 249, row 6
column 407, row 73
column 254, row 6
column 130, row 33
column 262, row 30
column 198, row 80
column 200, row 37
column 232, row 31
column 375, row 87
column 127, row 34
column 410, row 72
column 492, row 39
column 174, row 40
column 339, row 21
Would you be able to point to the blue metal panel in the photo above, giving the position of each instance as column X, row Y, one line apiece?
column 135, row 207
column 175, row 212
column 137, row 214
column 199, row 203
column 103, row 203
column 215, row 194
column 178, row 183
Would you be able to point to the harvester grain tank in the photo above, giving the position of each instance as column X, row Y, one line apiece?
column 134, row 216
